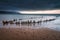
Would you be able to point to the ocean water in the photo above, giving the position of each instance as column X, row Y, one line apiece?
column 55, row 24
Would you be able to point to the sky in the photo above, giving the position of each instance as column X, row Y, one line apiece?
column 31, row 6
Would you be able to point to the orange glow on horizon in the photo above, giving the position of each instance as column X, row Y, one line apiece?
column 40, row 12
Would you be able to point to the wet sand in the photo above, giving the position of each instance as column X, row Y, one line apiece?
column 28, row 34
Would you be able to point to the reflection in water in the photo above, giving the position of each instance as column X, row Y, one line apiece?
column 5, row 24
column 33, row 25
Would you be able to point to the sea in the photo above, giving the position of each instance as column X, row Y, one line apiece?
column 54, row 25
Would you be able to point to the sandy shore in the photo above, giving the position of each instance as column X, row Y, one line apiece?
column 28, row 34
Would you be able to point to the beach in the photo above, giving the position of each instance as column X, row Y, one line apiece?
column 28, row 34
column 12, row 29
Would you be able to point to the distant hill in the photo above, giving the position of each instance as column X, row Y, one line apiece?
column 8, row 12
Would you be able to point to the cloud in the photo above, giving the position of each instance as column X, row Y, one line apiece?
column 31, row 4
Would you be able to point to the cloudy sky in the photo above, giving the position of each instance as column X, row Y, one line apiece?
column 31, row 6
